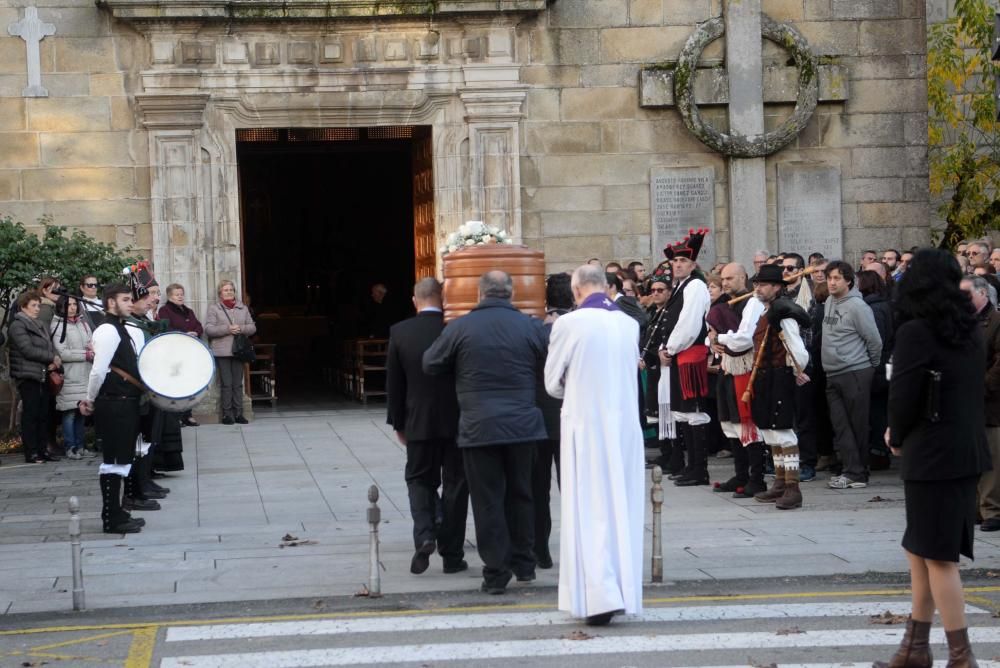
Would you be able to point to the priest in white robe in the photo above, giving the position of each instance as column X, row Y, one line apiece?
column 591, row 365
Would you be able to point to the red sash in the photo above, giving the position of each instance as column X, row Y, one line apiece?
column 692, row 369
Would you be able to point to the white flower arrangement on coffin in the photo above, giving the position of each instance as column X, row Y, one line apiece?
column 475, row 233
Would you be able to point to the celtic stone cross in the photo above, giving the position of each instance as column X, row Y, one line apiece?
column 745, row 90
column 32, row 31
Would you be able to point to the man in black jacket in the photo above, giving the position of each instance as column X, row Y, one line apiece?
column 989, row 318
column 495, row 353
column 423, row 410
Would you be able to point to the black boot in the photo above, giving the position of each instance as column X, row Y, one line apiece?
column 134, row 499
column 755, row 476
column 675, row 467
column 741, row 467
column 146, row 485
column 113, row 518
column 696, row 438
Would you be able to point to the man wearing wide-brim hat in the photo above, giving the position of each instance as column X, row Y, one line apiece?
column 779, row 357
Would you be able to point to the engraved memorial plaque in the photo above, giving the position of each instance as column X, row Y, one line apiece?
column 682, row 198
column 809, row 211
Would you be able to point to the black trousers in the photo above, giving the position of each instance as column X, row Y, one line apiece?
column 34, row 416
column 806, row 419
column 541, row 485
column 429, row 465
column 500, row 486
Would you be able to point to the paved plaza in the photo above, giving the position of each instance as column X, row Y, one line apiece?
column 306, row 474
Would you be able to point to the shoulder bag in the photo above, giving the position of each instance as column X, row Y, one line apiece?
column 242, row 347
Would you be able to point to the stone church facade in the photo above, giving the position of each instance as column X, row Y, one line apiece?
column 559, row 120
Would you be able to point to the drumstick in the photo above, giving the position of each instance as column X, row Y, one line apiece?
column 804, row 272
column 748, row 394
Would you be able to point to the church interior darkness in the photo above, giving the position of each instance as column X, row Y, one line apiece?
column 326, row 212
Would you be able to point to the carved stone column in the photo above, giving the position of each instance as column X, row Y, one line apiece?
column 181, row 211
column 493, row 117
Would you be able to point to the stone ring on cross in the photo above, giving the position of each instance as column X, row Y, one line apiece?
column 736, row 145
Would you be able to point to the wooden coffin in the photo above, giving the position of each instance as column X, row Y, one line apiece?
column 463, row 268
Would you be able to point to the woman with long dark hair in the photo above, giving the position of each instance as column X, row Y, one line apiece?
column 936, row 425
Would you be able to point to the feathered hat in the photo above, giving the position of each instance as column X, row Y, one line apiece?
column 689, row 247
column 139, row 278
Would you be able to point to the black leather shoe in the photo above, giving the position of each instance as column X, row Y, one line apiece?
column 602, row 619
column 456, row 568
column 526, row 577
column 241, row 420
column 677, row 476
column 227, row 420
column 129, row 526
column 189, row 422
column 992, row 524
column 140, row 504
column 422, row 557
column 691, row 482
column 497, row 585
column 151, row 493
column 730, row 485
column 543, row 560
column 159, row 488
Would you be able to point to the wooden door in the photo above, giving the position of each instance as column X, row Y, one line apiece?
column 424, row 242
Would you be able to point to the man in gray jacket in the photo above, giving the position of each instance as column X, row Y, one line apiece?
column 852, row 349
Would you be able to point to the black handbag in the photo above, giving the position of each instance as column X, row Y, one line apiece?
column 242, row 347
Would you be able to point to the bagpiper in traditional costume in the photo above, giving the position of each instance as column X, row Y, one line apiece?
column 114, row 401
column 779, row 357
column 732, row 327
column 683, row 386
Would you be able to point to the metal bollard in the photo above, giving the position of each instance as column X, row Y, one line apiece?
column 77, row 551
column 656, row 495
column 374, row 519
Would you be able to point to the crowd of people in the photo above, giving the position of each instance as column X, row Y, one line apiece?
column 74, row 362
column 806, row 365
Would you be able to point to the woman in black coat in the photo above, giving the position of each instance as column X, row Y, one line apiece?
column 937, row 425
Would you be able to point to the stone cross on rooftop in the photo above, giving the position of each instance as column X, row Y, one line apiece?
column 745, row 88
column 32, row 31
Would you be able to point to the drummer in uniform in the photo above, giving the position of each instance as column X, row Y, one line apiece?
column 157, row 428
column 113, row 397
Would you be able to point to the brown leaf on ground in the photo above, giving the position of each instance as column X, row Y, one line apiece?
column 578, row 635
column 887, row 618
column 296, row 543
column 789, row 632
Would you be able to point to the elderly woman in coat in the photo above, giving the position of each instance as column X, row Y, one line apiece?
column 225, row 319
column 71, row 334
column 32, row 356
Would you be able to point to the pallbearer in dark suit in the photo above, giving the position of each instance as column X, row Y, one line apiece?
column 423, row 410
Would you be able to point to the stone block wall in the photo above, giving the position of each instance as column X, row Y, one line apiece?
column 75, row 155
column 588, row 147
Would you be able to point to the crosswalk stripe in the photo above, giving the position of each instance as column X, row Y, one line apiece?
column 472, row 651
column 404, row 624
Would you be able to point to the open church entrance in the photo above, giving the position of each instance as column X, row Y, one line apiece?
column 326, row 214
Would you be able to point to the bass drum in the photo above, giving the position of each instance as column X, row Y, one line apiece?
column 178, row 370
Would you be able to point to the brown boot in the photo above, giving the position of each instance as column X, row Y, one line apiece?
column 792, row 498
column 914, row 650
column 959, row 651
column 777, row 489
